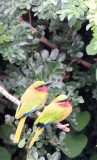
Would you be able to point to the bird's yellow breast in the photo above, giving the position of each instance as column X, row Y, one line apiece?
column 66, row 113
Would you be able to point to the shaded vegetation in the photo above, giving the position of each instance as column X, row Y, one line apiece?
column 46, row 40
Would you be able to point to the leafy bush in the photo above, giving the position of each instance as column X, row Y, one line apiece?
column 42, row 41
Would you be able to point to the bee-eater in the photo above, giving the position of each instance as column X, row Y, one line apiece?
column 34, row 98
column 58, row 110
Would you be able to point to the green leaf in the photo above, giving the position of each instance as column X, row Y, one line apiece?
column 69, row 69
column 35, row 41
column 4, row 38
column 42, row 158
column 5, row 129
column 78, row 25
column 45, row 54
column 54, row 2
column 89, row 48
column 70, row 16
column 4, row 154
column 82, row 119
column 54, row 54
column 72, row 21
column 94, row 157
column 95, row 18
column 96, row 74
column 79, row 55
column 89, row 26
column 56, row 156
column 73, row 145
column 37, row 56
column 21, row 143
column 61, row 57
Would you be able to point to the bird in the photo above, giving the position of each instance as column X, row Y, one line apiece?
column 33, row 99
column 58, row 110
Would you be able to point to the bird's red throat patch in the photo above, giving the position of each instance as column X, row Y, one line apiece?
column 42, row 89
column 65, row 104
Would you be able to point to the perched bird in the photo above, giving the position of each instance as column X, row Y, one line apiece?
column 34, row 98
column 58, row 110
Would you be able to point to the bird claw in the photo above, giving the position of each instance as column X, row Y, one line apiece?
column 63, row 127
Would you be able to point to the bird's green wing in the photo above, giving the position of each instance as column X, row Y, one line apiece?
column 29, row 102
column 50, row 114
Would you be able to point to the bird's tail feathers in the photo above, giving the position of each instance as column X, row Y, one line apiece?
column 19, row 130
column 37, row 132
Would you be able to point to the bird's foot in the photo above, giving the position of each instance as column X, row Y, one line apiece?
column 64, row 127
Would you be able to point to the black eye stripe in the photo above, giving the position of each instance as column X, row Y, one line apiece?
column 65, row 100
column 39, row 86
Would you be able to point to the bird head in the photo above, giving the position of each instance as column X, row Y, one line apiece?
column 41, row 86
column 62, row 100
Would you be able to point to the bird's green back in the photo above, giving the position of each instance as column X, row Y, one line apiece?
column 50, row 114
column 30, row 101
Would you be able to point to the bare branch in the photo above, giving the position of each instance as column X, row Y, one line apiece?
column 48, row 44
column 56, row 144
column 84, row 63
column 9, row 96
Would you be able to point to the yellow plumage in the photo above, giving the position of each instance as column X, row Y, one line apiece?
column 58, row 110
column 33, row 98
column 35, row 137
column 19, row 130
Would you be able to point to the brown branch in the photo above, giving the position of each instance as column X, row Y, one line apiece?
column 84, row 63
column 2, row 77
column 28, row 156
column 95, row 59
column 42, row 39
column 22, row 21
column 66, row 75
column 57, row 144
column 3, row 100
column 48, row 44
column 30, row 16
column 16, row 101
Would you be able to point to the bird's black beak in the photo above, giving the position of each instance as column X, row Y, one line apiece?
column 48, row 83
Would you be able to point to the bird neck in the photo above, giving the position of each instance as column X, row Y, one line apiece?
column 65, row 104
column 42, row 89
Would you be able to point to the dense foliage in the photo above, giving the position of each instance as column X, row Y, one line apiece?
column 48, row 40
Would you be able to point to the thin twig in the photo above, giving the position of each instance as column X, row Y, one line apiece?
column 28, row 156
column 38, row 113
column 57, row 144
column 66, row 76
column 22, row 21
column 30, row 16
